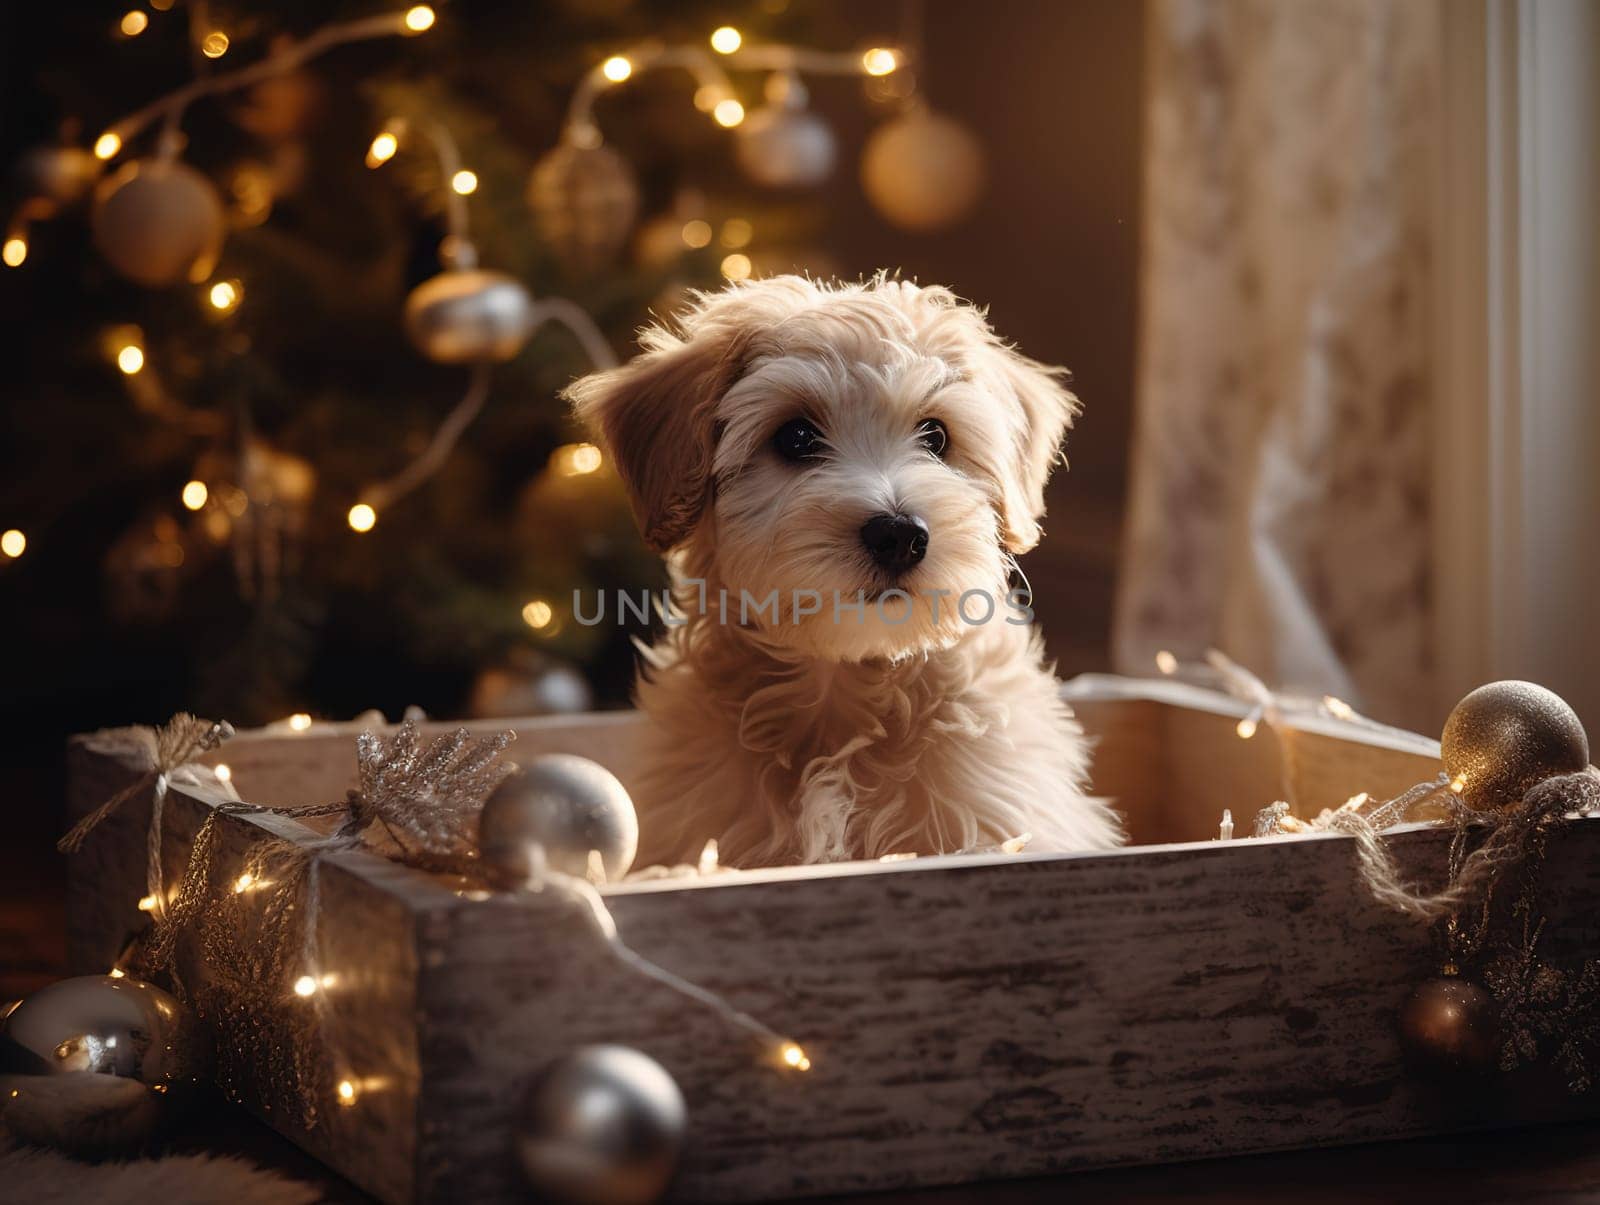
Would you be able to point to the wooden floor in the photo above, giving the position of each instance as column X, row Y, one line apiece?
column 1551, row 1165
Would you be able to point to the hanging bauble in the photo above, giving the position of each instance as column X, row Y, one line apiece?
column 158, row 222
column 603, row 1125
column 785, row 146
column 568, row 806
column 62, row 175
column 584, row 203
column 1505, row 737
column 922, row 171
column 469, row 314
column 528, row 683
column 1448, row 1026
column 105, row 1062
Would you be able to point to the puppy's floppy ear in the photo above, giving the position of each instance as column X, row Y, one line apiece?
column 655, row 415
column 1046, row 409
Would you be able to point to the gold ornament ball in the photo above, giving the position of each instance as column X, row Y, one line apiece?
column 60, row 174
column 780, row 146
column 604, row 1125
column 103, row 1061
column 1505, row 737
column 584, row 202
column 568, row 806
column 922, row 171
column 158, row 223
column 1448, row 1026
column 467, row 315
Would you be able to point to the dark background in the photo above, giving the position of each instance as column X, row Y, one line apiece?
column 1052, row 89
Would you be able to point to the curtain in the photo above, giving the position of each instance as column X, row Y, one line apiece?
column 1280, row 492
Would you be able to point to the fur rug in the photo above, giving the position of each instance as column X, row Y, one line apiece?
column 41, row 1176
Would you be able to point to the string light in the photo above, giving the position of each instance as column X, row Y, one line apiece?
column 243, row 883
column 115, row 973
column 728, row 113
column 147, row 904
column 362, row 517
column 795, row 1056
column 736, row 266
column 382, row 149
column 1458, row 783
column 696, row 233
column 616, row 68
column 225, row 296
column 107, row 145
column 15, row 251
column 224, row 773
column 1166, row 662
column 576, row 460
column 464, row 182
column 1246, row 728
column 726, row 40
column 419, row 18
column 1338, row 708
column 13, row 543
column 130, row 358
column 214, row 45
column 736, row 232
column 879, row 61
column 195, row 495
column 347, row 1093
column 537, row 614
column 133, row 23
column 299, row 721
column 305, row 986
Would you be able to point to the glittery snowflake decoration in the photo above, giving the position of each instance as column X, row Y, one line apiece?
column 426, row 799
column 1544, row 1007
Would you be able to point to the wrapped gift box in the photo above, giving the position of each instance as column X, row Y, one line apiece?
column 967, row 1017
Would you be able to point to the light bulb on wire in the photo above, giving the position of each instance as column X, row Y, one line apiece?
column 14, row 251
column 726, row 40
column 879, row 61
column 616, row 68
column 382, row 149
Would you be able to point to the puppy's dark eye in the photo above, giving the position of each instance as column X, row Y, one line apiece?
column 798, row 439
column 932, row 435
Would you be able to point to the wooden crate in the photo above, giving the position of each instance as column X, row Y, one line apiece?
column 968, row 1017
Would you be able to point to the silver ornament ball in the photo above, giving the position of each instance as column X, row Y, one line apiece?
column 780, row 146
column 1506, row 737
column 602, row 1126
column 158, row 222
column 584, row 202
column 922, row 171
column 568, row 806
column 467, row 315
column 104, row 1063
column 60, row 174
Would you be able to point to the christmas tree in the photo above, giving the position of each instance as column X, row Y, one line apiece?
column 252, row 467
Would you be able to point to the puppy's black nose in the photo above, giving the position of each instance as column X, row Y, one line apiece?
column 896, row 542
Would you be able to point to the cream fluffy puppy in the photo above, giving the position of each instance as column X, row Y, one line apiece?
column 840, row 476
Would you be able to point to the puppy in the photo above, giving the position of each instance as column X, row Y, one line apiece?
column 840, row 476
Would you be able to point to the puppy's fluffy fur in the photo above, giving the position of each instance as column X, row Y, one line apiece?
column 805, row 738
